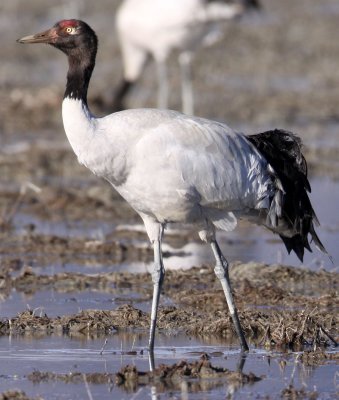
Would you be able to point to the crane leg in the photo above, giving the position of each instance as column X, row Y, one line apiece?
column 221, row 271
column 185, row 60
column 162, row 84
column 158, row 274
column 120, row 94
column 155, row 232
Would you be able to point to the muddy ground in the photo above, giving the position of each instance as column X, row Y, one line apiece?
column 277, row 68
column 300, row 311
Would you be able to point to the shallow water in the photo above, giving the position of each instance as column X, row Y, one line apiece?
column 53, row 303
column 21, row 356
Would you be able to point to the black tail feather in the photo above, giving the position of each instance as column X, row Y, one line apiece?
column 282, row 150
column 294, row 243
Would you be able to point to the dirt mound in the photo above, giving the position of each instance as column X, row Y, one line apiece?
column 17, row 395
column 281, row 329
column 200, row 373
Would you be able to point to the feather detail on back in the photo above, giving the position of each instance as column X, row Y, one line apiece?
column 290, row 207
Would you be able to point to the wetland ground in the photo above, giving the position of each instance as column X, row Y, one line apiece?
column 75, row 292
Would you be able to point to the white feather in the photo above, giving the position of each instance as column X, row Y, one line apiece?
column 169, row 166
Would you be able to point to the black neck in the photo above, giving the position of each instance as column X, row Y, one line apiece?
column 78, row 76
column 81, row 53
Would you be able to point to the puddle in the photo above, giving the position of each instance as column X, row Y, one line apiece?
column 59, row 303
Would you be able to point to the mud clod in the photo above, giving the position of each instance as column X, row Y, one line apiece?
column 17, row 395
column 129, row 377
column 172, row 375
column 96, row 378
column 87, row 321
column 291, row 393
column 319, row 357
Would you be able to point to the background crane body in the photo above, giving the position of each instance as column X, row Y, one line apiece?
column 154, row 28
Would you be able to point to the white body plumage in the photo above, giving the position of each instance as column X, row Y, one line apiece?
column 171, row 167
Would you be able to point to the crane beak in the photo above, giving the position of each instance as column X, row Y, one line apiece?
column 49, row 37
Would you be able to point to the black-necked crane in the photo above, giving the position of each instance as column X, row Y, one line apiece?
column 154, row 28
column 174, row 168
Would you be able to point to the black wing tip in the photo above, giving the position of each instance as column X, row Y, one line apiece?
column 283, row 151
column 298, row 243
column 319, row 244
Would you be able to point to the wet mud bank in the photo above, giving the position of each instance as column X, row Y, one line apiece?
column 280, row 306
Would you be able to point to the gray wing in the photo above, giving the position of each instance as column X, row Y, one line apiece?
column 188, row 162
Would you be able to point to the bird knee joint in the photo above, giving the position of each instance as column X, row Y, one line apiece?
column 157, row 275
column 221, row 271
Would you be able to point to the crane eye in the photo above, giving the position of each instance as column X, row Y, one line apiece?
column 70, row 30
